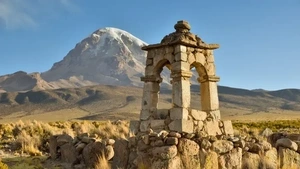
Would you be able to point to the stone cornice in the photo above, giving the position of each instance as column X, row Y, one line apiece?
column 182, row 36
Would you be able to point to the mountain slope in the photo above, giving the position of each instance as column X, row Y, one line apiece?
column 108, row 56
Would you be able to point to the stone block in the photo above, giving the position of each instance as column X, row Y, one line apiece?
column 151, row 87
column 212, row 128
column 210, row 69
column 190, row 49
column 180, row 48
column 228, row 129
column 186, row 126
column 144, row 126
column 181, row 66
column 198, row 114
column 157, row 124
column 170, row 57
column 191, row 58
column 149, row 62
column 181, row 56
column 157, row 59
column 149, row 70
column 210, row 56
column 179, row 113
column 200, row 58
column 169, row 49
column 181, row 93
column 151, row 54
column 145, row 114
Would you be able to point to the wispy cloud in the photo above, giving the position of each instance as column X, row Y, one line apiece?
column 16, row 14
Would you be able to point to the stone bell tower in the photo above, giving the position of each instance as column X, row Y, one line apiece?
column 178, row 138
column 180, row 51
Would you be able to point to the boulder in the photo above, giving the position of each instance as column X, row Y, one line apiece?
column 250, row 161
column 165, row 152
column 189, row 153
column 109, row 152
column 222, row 146
column 270, row 159
column 211, row 160
column 267, row 132
column 121, row 157
column 265, row 145
column 288, row 158
column 287, row 143
column 92, row 152
column 233, row 159
column 64, row 138
column 68, row 153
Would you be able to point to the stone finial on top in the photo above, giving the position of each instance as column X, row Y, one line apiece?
column 182, row 26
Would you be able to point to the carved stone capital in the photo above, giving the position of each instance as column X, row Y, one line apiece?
column 186, row 74
column 208, row 79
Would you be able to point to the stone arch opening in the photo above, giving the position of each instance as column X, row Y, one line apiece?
column 196, row 96
column 163, row 70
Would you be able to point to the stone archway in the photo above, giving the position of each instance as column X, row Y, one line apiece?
column 180, row 51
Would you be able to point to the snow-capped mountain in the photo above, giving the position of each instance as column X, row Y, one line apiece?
column 108, row 56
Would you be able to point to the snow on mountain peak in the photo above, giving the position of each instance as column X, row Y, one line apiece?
column 116, row 33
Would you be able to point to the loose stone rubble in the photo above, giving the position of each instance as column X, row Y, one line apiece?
column 82, row 151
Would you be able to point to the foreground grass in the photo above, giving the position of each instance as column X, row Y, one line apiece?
column 27, row 142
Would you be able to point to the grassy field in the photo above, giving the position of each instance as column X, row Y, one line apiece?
column 29, row 138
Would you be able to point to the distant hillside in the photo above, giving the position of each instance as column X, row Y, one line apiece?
column 95, row 101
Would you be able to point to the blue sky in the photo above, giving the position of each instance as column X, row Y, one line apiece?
column 259, row 39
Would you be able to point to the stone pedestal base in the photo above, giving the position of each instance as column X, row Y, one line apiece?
column 181, row 139
column 185, row 121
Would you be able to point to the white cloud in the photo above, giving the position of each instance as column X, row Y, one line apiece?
column 16, row 14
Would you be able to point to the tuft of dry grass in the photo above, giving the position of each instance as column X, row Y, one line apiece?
column 3, row 165
column 29, row 144
column 102, row 162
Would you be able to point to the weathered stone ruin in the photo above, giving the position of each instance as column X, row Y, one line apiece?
column 182, row 137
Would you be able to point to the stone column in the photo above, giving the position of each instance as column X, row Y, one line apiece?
column 181, row 94
column 209, row 96
column 150, row 96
